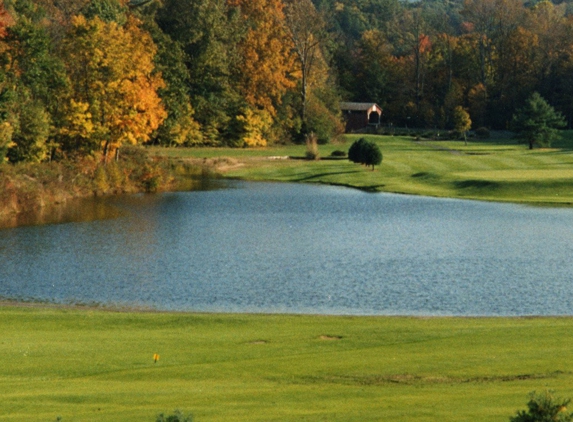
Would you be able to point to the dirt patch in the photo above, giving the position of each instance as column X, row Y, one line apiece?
column 259, row 342
column 413, row 379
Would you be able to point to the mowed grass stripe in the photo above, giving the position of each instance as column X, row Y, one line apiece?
column 499, row 169
column 519, row 175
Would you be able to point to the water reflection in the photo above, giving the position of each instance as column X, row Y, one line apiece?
column 97, row 208
column 76, row 210
column 263, row 247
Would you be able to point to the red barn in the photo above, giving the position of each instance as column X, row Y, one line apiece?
column 360, row 115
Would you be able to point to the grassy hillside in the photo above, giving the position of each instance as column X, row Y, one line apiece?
column 87, row 365
column 497, row 169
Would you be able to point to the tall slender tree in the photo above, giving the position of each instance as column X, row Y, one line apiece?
column 307, row 31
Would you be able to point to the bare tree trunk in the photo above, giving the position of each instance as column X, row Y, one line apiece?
column 306, row 29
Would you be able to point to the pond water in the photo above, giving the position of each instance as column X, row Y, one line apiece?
column 295, row 248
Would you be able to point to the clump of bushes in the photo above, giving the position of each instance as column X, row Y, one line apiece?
column 544, row 407
column 482, row 133
column 28, row 187
column 177, row 416
column 365, row 152
column 338, row 153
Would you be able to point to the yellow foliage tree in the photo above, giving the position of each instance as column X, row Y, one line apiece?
column 112, row 72
column 255, row 123
column 266, row 51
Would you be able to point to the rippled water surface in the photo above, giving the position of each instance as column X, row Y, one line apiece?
column 262, row 247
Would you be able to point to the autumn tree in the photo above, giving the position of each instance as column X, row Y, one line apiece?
column 493, row 24
column 266, row 56
column 265, row 66
column 31, row 129
column 59, row 14
column 6, row 128
column 375, row 68
column 462, row 122
column 6, row 20
column 306, row 29
column 38, row 68
column 114, row 86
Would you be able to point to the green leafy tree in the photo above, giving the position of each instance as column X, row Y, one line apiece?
column 537, row 122
column 106, row 10
column 35, row 83
column 544, row 407
column 31, row 128
column 209, row 34
column 179, row 128
column 31, row 57
column 365, row 152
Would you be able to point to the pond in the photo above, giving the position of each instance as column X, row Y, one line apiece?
column 296, row 248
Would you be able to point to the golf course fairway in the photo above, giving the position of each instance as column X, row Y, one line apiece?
column 82, row 364
column 497, row 169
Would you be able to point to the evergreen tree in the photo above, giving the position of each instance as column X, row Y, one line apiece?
column 537, row 122
column 365, row 152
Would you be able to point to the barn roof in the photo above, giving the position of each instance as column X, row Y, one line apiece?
column 359, row 106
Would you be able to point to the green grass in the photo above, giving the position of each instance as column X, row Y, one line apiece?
column 496, row 170
column 89, row 365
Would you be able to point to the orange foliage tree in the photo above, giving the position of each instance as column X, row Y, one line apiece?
column 266, row 63
column 114, row 86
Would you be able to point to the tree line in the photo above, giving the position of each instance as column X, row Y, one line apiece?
column 83, row 77
column 421, row 60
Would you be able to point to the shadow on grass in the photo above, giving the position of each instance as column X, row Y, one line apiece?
column 476, row 184
column 327, row 158
column 424, row 175
column 317, row 176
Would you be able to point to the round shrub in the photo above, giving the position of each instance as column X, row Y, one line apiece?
column 365, row 152
column 338, row 153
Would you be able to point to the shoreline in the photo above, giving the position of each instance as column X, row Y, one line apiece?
column 13, row 303
column 480, row 171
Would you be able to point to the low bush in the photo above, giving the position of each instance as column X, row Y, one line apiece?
column 177, row 416
column 482, row 132
column 544, row 407
column 338, row 153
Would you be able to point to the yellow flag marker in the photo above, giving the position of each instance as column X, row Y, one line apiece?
column 155, row 357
